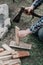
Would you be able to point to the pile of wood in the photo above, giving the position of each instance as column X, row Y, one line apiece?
column 9, row 56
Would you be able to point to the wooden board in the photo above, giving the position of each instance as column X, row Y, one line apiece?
column 22, row 45
column 21, row 54
column 6, row 47
column 4, row 53
column 17, row 39
column 6, row 57
column 12, row 61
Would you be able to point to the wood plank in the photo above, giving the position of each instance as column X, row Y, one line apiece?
column 6, row 47
column 21, row 54
column 17, row 39
column 5, row 53
column 6, row 57
column 22, row 45
column 12, row 61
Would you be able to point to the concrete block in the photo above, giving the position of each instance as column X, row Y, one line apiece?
column 4, row 20
column 7, row 23
column 3, row 32
column 4, row 10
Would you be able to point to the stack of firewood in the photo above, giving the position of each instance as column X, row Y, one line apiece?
column 9, row 56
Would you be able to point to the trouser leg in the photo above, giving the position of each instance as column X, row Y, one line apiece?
column 40, row 34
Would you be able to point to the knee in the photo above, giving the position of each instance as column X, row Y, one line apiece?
column 40, row 34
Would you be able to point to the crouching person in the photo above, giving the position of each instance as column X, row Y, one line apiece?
column 36, row 28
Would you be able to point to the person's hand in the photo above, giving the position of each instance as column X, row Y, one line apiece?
column 28, row 10
column 24, row 33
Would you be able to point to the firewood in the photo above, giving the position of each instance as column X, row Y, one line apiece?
column 21, row 54
column 17, row 39
column 22, row 45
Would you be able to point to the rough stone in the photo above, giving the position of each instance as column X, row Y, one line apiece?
column 4, row 20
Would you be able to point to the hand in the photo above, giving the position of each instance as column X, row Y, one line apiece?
column 28, row 10
column 24, row 33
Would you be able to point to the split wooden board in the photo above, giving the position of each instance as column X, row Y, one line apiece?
column 22, row 45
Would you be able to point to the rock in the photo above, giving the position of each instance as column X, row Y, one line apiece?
column 4, row 20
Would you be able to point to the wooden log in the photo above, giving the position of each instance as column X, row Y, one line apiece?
column 17, row 39
column 22, row 45
column 10, row 62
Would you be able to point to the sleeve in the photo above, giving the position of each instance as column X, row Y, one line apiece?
column 36, row 3
column 36, row 26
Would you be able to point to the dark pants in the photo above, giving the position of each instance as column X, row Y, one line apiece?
column 37, row 28
column 40, row 34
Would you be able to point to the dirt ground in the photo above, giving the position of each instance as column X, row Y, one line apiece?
column 36, row 57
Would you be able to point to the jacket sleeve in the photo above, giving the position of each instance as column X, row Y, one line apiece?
column 36, row 26
column 36, row 3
